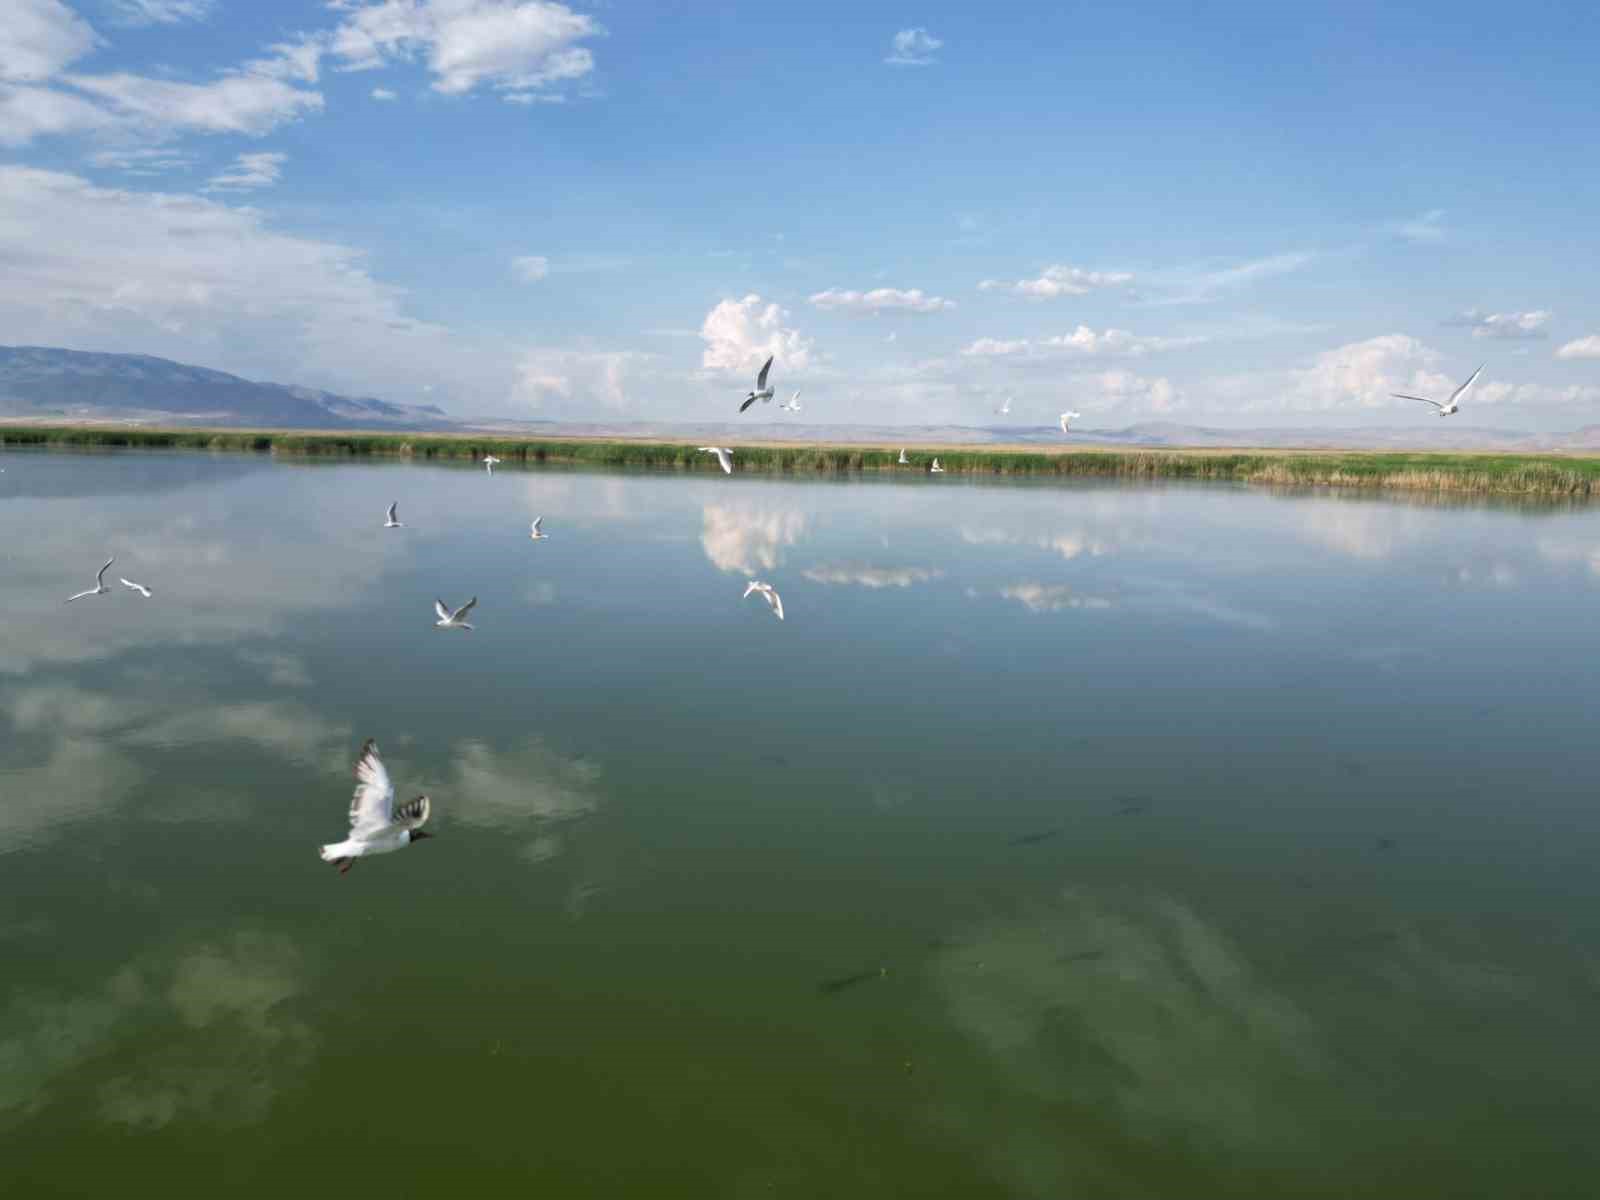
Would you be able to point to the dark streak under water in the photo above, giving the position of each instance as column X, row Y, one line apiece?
column 1065, row 839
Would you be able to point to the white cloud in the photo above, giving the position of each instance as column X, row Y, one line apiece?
column 244, row 103
column 874, row 578
column 1082, row 340
column 881, row 300
column 1365, row 373
column 1059, row 280
column 161, row 12
column 511, row 45
column 531, row 268
column 748, row 539
column 1504, row 326
column 1124, row 388
column 575, row 381
column 913, row 48
column 30, row 112
column 383, row 94
column 1584, row 347
column 142, row 160
column 247, row 172
column 1426, row 228
column 741, row 334
column 39, row 37
column 1040, row 598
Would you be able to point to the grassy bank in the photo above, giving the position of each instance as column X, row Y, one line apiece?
column 1513, row 474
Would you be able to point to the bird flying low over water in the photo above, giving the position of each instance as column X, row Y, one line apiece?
column 489, row 462
column 453, row 620
column 536, row 534
column 724, row 456
column 903, row 460
column 767, row 593
column 1067, row 418
column 762, row 392
column 99, row 588
column 376, row 825
column 936, row 469
column 393, row 522
column 138, row 587
column 1450, row 406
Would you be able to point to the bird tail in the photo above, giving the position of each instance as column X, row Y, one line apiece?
column 334, row 851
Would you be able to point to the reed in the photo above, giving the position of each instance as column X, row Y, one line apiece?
column 1517, row 474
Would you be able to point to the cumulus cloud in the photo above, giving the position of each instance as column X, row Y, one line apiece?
column 160, row 12
column 913, row 48
column 514, row 46
column 881, row 300
column 1119, row 388
column 1059, row 280
column 531, row 268
column 550, row 379
column 1366, row 373
column 1506, row 326
column 39, row 37
column 741, row 334
column 1584, row 347
column 748, row 539
column 248, row 172
column 1082, row 340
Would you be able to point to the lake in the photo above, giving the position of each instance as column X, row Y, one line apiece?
column 1090, row 840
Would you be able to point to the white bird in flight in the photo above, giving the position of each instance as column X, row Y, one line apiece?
column 99, row 588
column 903, row 460
column 768, row 593
column 138, row 587
column 936, row 468
column 376, row 825
column 724, row 456
column 453, row 620
column 762, row 391
column 1067, row 418
column 793, row 405
column 536, row 534
column 1451, row 406
column 393, row 522
column 1005, row 409
column 489, row 462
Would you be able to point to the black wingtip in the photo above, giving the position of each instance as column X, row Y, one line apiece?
column 747, row 404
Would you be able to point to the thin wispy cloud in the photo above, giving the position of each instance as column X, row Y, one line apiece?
column 160, row 12
column 880, row 300
column 1059, row 280
column 913, row 48
column 1425, row 228
column 1584, row 347
column 248, row 172
column 1082, row 341
column 383, row 93
column 531, row 268
column 1508, row 326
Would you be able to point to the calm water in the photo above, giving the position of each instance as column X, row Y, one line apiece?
column 1064, row 841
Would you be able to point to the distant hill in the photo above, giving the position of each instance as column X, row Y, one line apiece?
column 41, row 382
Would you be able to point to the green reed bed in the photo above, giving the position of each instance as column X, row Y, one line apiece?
column 1534, row 475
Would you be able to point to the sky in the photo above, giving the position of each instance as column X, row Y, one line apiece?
column 1258, row 215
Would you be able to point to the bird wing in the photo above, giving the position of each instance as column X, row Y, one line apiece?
column 413, row 814
column 748, row 402
column 464, row 609
column 1424, row 399
column 726, row 460
column 1471, row 379
column 537, row 521
column 81, row 595
column 138, row 587
column 372, row 806
column 761, row 379
column 776, row 601
column 438, row 607
column 752, row 586
column 100, row 575
column 392, row 507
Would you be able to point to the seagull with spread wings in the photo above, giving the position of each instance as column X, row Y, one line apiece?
column 453, row 620
column 724, row 456
column 376, row 825
column 1450, row 406
column 768, row 593
column 99, row 588
column 762, row 392
column 1067, row 418
column 393, row 522
column 536, row 533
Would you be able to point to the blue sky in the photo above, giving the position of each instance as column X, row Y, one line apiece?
column 1265, row 215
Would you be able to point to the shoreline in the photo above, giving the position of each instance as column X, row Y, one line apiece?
column 1564, row 475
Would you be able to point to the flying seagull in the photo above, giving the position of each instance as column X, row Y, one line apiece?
column 762, row 391
column 793, row 405
column 138, row 587
column 768, row 593
column 1445, row 409
column 1067, row 418
column 99, row 588
column 376, row 825
column 936, row 468
column 724, row 456
column 1005, row 409
column 489, row 462
column 452, row 620
column 537, row 535
column 393, row 522
column 903, row 460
